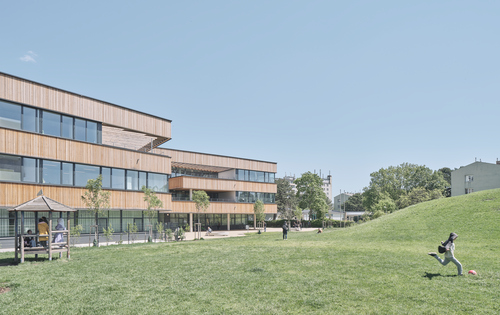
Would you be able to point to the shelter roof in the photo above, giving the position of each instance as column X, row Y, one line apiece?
column 42, row 204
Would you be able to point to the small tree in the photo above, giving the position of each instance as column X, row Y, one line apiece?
column 75, row 232
column 258, row 209
column 202, row 201
column 159, row 229
column 131, row 229
column 153, row 203
column 169, row 234
column 108, row 233
column 96, row 200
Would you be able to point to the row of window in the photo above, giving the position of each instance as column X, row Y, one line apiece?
column 243, row 175
column 179, row 171
column 22, row 169
column 252, row 197
column 255, row 176
column 49, row 123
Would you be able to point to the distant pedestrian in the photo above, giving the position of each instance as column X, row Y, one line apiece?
column 448, row 247
column 285, row 231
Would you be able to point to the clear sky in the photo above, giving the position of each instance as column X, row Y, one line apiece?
column 345, row 87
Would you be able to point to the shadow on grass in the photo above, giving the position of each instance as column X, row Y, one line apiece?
column 10, row 261
column 432, row 275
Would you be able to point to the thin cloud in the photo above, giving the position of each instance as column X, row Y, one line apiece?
column 29, row 57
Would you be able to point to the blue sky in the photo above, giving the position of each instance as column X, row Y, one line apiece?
column 345, row 87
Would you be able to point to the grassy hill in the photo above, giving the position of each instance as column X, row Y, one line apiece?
column 379, row 267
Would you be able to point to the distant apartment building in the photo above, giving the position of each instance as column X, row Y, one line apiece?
column 475, row 177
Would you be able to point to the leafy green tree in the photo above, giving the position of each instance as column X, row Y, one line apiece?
column 311, row 195
column 258, row 209
column 201, row 200
column 386, row 205
column 446, row 172
column 286, row 199
column 354, row 203
column 96, row 200
column 153, row 203
column 396, row 181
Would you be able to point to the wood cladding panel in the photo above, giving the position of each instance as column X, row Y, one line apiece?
column 211, row 184
column 13, row 194
column 220, row 161
column 221, row 207
column 47, row 147
column 39, row 95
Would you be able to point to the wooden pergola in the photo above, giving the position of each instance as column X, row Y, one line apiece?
column 41, row 204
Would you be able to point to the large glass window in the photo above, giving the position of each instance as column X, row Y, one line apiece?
column 142, row 179
column 158, row 182
column 260, row 177
column 85, row 172
column 10, row 115
column 80, row 129
column 271, row 177
column 51, row 124
column 106, row 177
column 67, row 173
column 241, row 174
column 67, row 127
column 132, row 180
column 10, row 168
column 30, row 121
column 29, row 170
column 255, row 176
column 91, row 132
column 51, row 172
column 118, row 178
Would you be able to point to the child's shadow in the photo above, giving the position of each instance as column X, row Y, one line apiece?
column 432, row 275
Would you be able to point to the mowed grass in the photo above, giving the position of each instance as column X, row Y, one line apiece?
column 380, row 267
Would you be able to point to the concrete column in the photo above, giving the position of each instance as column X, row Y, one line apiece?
column 254, row 223
column 190, row 218
column 229, row 222
column 190, row 194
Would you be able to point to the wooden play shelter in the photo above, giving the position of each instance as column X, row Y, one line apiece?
column 41, row 204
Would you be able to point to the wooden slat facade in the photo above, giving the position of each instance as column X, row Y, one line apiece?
column 35, row 94
column 13, row 194
column 46, row 147
column 214, row 184
column 221, row 208
column 218, row 160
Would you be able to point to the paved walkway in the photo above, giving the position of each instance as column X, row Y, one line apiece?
column 190, row 236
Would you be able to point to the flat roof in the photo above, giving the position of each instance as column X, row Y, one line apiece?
column 81, row 95
column 225, row 156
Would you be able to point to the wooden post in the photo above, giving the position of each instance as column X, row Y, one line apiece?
column 60, row 216
column 228, row 222
column 50, row 235
column 16, row 241
column 22, row 236
column 254, row 221
column 37, row 240
column 191, row 222
column 68, row 227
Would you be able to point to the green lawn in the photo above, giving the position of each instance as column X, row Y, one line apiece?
column 380, row 267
